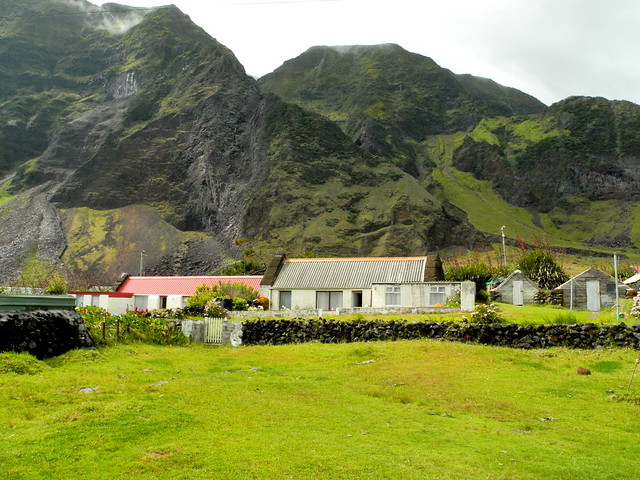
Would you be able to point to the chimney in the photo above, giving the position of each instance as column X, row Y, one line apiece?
column 273, row 269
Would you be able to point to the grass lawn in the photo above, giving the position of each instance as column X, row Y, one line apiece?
column 383, row 410
column 527, row 314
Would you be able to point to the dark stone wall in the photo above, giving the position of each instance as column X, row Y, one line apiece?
column 43, row 333
column 587, row 335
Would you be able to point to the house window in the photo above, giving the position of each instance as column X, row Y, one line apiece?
column 392, row 295
column 438, row 295
column 163, row 302
column 140, row 302
column 329, row 300
column 285, row 299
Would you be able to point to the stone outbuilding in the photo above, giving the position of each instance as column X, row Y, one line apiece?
column 591, row 290
column 517, row 289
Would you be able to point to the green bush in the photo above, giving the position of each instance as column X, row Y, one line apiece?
column 205, row 294
column 482, row 296
column 57, row 285
column 564, row 318
column 133, row 326
column 473, row 268
column 542, row 267
column 240, row 304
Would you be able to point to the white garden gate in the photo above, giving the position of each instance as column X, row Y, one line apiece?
column 213, row 330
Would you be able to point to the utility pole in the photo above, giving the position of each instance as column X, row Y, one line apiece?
column 504, row 247
column 615, row 269
column 142, row 254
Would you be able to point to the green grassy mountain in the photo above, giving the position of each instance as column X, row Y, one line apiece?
column 389, row 100
column 126, row 131
column 567, row 173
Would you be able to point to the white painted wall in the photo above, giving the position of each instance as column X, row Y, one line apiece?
column 153, row 302
column 419, row 294
column 306, row 299
column 113, row 305
column 176, row 301
column 119, row 306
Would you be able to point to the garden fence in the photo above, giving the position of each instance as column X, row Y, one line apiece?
column 213, row 330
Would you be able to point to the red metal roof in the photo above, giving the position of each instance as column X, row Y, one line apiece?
column 108, row 294
column 181, row 285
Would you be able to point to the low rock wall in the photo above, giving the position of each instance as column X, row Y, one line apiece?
column 43, row 333
column 588, row 335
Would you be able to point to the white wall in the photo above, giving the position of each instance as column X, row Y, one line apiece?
column 415, row 294
column 176, row 301
column 113, row 305
column 306, row 299
column 118, row 305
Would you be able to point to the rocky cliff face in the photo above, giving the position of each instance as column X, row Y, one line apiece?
column 127, row 131
column 589, row 150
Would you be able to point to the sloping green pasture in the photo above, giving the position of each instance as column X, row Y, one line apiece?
column 394, row 410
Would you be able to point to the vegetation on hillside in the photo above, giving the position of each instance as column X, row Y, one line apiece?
column 368, row 151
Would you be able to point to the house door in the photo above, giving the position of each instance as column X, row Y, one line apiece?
column 356, row 299
column 518, row 297
column 593, row 295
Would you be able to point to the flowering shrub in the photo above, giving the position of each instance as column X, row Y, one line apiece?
column 135, row 325
column 93, row 316
column 484, row 313
column 169, row 313
column 213, row 309
column 261, row 302
column 635, row 309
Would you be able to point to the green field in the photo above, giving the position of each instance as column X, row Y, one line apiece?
column 383, row 410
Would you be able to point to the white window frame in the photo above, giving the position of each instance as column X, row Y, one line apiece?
column 392, row 296
column 287, row 304
column 437, row 294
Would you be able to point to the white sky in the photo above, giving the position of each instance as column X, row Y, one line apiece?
column 550, row 49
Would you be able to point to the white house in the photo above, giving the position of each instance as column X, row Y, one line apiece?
column 330, row 284
column 151, row 293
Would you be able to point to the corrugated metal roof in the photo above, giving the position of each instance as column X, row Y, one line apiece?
column 343, row 273
column 181, row 285
column 635, row 278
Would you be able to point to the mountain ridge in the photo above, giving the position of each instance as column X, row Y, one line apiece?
column 153, row 138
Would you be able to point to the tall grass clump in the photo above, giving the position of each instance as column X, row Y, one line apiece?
column 475, row 267
column 541, row 263
column 564, row 318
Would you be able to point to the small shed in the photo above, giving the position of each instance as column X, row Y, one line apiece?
column 591, row 290
column 517, row 289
